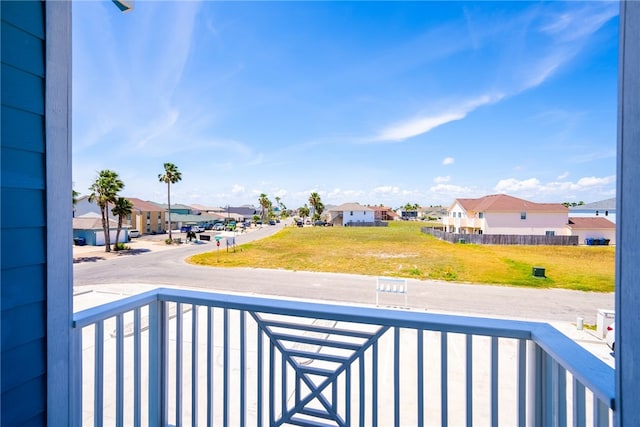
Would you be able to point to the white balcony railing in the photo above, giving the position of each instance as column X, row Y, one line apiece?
column 174, row 357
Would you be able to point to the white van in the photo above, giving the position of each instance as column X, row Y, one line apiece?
column 134, row 233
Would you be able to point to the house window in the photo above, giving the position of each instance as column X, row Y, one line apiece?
column 480, row 215
column 159, row 215
column 606, row 213
column 148, row 215
column 523, row 215
column 549, row 233
column 596, row 213
column 351, row 213
column 459, row 214
column 479, row 231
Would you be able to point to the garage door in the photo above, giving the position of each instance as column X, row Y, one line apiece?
column 112, row 237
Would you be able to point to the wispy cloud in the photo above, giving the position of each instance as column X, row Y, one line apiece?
column 424, row 123
column 568, row 33
column 448, row 161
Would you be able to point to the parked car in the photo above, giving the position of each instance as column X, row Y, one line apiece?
column 134, row 233
column 299, row 223
column 610, row 337
column 197, row 229
column 185, row 228
column 272, row 222
column 219, row 226
column 319, row 223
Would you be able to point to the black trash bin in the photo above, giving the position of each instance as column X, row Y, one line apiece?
column 79, row 241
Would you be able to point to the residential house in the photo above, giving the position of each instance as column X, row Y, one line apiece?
column 383, row 213
column 40, row 351
column 89, row 228
column 503, row 214
column 603, row 208
column 352, row 214
column 147, row 217
column 598, row 228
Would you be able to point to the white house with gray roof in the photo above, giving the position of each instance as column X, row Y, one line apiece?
column 351, row 214
column 603, row 208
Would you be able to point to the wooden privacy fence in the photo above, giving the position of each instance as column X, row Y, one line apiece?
column 502, row 239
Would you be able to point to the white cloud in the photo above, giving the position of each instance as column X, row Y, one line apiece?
column 387, row 189
column 563, row 176
column 454, row 191
column 448, row 161
column 511, row 185
column 593, row 181
column 237, row 188
column 533, row 187
column 410, row 128
column 441, row 179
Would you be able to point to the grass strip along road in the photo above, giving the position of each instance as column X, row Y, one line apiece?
column 402, row 250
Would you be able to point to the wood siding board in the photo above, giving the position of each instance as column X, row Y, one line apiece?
column 26, row 15
column 23, row 317
column 22, row 50
column 22, row 130
column 22, row 325
column 22, row 169
column 16, row 371
column 26, row 402
column 22, row 90
column 28, row 214
column 22, row 286
column 25, row 246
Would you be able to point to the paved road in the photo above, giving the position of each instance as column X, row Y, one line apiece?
column 168, row 268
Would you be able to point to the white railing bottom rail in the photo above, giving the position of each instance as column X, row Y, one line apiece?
column 174, row 357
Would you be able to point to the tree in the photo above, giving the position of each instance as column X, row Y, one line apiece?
column 121, row 209
column 170, row 176
column 104, row 191
column 265, row 204
column 316, row 204
column 303, row 211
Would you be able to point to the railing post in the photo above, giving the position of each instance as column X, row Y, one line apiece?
column 534, row 385
column 157, row 364
column 76, row 377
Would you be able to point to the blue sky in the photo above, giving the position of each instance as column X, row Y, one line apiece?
column 369, row 102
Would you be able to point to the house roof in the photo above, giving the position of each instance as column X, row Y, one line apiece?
column 143, row 206
column 351, row 207
column 92, row 221
column 590, row 223
column 505, row 203
column 608, row 204
column 209, row 209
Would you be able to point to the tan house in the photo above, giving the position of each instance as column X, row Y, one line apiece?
column 503, row 214
column 147, row 217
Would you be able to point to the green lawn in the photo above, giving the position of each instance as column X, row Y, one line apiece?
column 401, row 250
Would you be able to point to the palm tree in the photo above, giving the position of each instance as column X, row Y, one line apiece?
column 265, row 204
column 121, row 209
column 316, row 204
column 104, row 191
column 303, row 211
column 170, row 176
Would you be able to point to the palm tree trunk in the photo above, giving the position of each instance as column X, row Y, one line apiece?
column 105, row 229
column 169, row 207
column 118, row 231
